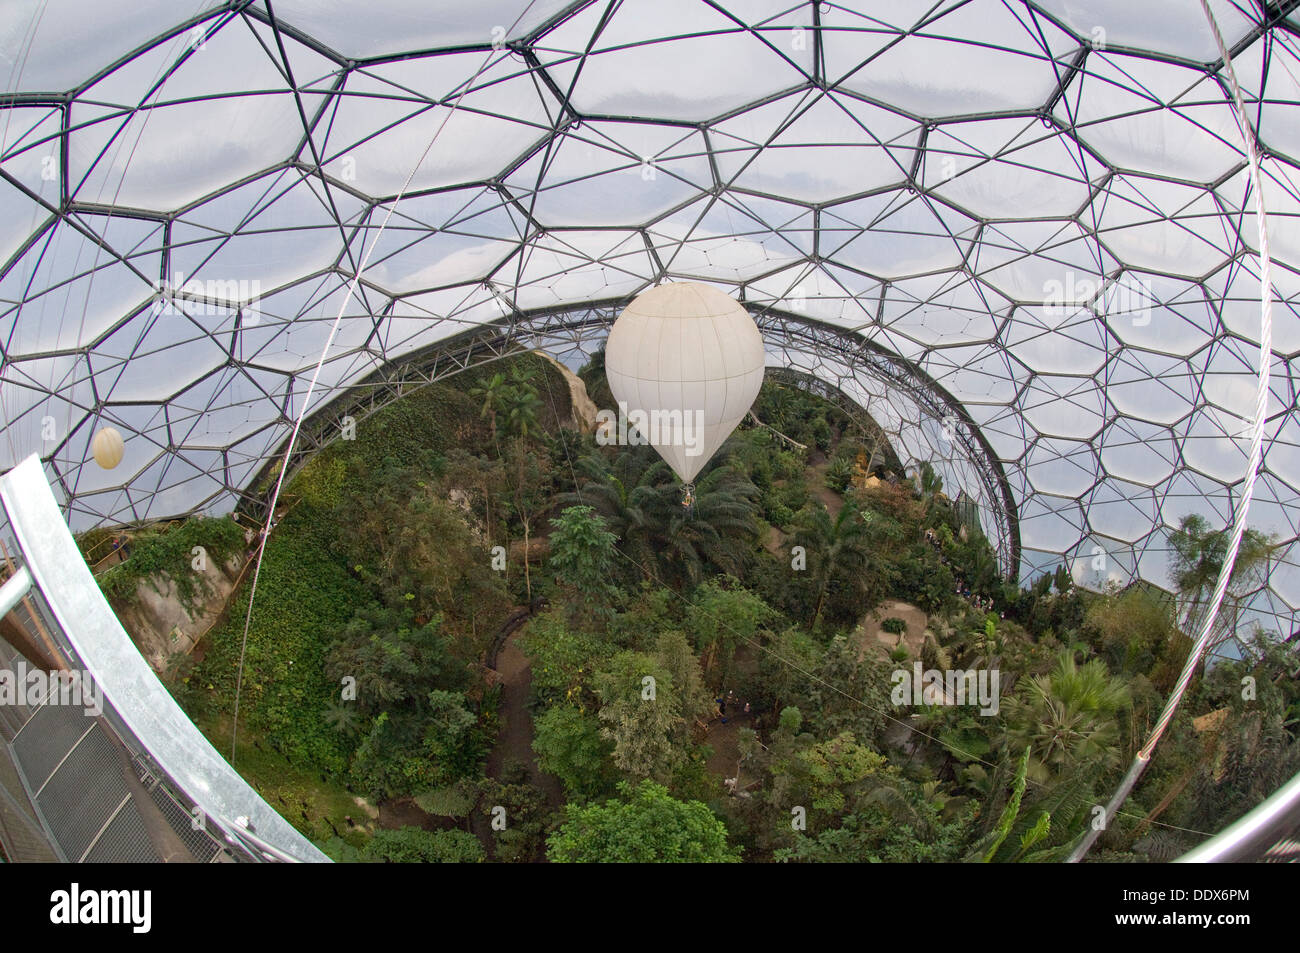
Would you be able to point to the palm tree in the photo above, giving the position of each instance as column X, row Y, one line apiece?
column 835, row 545
column 1068, row 717
column 931, row 485
column 342, row 718
column 622, row 492
column 523, row 407
column 717, row 531
column 640, row 499
column 493, row 393
column 1198, row 554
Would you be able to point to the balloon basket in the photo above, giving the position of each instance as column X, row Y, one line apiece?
column 688, row 497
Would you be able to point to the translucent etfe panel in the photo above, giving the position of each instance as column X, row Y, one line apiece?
column 1237, row 290
column 42, row 400
column 297, row 325
column 1281, row 192
column 1008, row 168
column 1151, row 387
column 905, row 235
column 76, row 288
column 1122, row 511
column 144, row 432
column 252, row 239
column 1162, row 26
column 395, row 122
column 363, row 30
column 1157, row 117
column 223, row 408
column 1160, row 226
column 184, row 481
column 436, row 240
column 812, row 291
column 994, row 58
column 717, row 240
column 37, row 35
column 975, row 374
column 671, row 60
column 159, row 351
column 1057, row 340
column 815, row 149
column 30, row 165
column 154, row 146
column 1053, row 262
column 613, row 172
column 1050, row 524
column 1067, row 407
column 421, row 320
column 1138, row 452
column 1276, row 124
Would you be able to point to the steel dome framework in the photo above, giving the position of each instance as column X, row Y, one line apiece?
column 1041, row 207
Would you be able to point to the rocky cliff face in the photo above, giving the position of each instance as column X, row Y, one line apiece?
column 583, row 417
column 162, row 627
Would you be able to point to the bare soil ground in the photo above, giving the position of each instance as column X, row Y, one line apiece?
column 515, row 741
column 870, row 634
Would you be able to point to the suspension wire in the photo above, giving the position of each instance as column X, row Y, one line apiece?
column 1143, row 757
column 329, row 342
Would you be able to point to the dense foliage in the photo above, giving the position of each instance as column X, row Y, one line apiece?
column 719, row 681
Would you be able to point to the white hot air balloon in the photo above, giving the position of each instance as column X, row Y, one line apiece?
column 685, row 362
column 107, row 447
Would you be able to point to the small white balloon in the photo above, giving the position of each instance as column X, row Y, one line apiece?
column 108, row 447
column 685, row 362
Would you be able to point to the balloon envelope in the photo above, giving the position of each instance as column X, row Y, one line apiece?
column 685, row 362
column 108, row 447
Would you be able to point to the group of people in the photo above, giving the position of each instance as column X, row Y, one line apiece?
column 722, row 701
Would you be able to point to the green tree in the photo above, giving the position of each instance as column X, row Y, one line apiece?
column 564, row 660
column 1068, row 717
column 836, row 548
column 528, row 474
column 400, row 534
column 493, row 395
column 582, row 551
column 644, row 825
column 720, row 616
column 411, row 845
column 570, row 746
column 694, row 700
column 642, row 715
column 523, row 409
column 640, row 498
column 1198, row 555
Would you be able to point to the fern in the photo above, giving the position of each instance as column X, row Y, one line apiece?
column 1012, row 809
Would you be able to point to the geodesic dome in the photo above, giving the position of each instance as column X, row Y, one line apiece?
column 1042, row 208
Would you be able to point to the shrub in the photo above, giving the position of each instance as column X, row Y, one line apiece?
column 169, row 551
column 411, row 845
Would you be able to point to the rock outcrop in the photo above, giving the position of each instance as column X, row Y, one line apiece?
column 160, row 624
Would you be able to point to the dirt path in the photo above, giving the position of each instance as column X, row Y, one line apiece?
column 515, row 740
column 725, row 742
column 820, row 491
